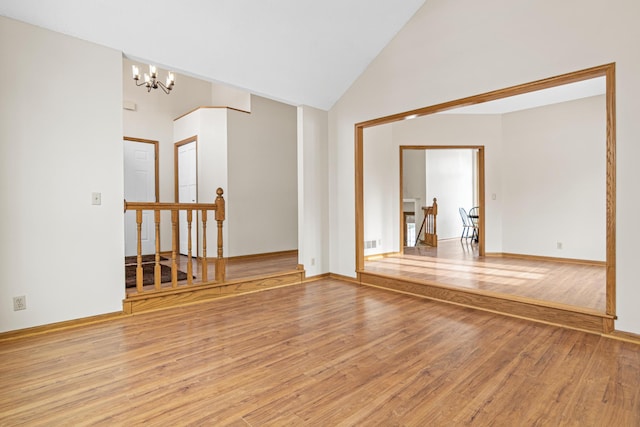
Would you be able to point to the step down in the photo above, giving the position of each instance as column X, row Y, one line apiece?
column 157, row 300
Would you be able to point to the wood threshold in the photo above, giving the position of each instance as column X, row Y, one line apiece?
column 541, row 311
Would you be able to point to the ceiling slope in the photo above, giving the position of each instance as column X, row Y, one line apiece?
column 296, row 51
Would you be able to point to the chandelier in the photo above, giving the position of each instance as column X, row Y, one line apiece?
column 151, row 80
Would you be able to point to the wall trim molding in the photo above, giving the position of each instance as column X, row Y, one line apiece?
column 211, row 106
column 58, row 326
column 547, row 258
column 263, row 255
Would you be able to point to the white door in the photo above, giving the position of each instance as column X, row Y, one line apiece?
column 139, row 186
column 187, row 193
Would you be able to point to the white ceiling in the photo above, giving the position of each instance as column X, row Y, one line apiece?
column 297, row 51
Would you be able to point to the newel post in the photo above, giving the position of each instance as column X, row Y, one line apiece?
column 435, row 214
column 220, row 215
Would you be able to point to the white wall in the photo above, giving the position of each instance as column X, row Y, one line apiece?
column 450, row 180
column 381, row 191
column 555, row 180
column 451, row 49
column 226, row 96
column 313, row 191
column 60, row 140
column 209, row 125
column 262, row 206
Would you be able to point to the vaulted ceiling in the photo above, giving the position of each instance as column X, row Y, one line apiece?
column 296, row 51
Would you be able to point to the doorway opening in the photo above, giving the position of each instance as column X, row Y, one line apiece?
column 454, row 176
column 186, row 188
column 140, row 185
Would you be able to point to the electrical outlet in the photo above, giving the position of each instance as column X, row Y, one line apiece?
column 313, row 261
column 558, row 245
column 19, row 303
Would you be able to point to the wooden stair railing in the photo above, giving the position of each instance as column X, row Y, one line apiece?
column 429, row 225
column 218, row 206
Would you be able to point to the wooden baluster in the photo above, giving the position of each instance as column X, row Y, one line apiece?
column 435, row 214
column 220, row 216
column 139, row 257
column 157, row 270
column 189, row 266
column 205, row 276
column 427, row 232
column 174, row 248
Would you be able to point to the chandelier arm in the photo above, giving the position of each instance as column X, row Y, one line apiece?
column 163, row 87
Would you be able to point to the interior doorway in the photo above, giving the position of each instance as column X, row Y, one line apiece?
column 186, row 161
column 454, row 175
column 140, row 185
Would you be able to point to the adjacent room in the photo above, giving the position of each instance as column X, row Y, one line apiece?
column 559, row 191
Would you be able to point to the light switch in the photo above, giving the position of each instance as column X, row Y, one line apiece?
column 96, row 198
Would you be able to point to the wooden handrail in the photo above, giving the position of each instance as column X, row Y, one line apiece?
column 150, row 206
column 429, row 225
column 202, row 208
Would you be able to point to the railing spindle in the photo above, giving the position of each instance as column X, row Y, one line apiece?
column 157, row 270
column 174, row 248
column 139, row 257
column 205, row 273
column 189, row 264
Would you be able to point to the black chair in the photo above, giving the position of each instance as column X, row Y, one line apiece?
column 466, row 223
column 474, row 214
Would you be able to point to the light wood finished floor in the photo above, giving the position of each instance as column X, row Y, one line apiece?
column 457, row 264
column 324, row 353
column 236, row 268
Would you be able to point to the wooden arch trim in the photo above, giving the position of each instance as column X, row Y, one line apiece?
column 606, row 70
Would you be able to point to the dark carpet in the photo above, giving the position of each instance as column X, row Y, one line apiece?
column 133, row 259
column 148, row 275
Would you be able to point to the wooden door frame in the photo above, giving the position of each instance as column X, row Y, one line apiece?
column 177, row 145
column 481, row 199
column 606, row 70
column 157, row 161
